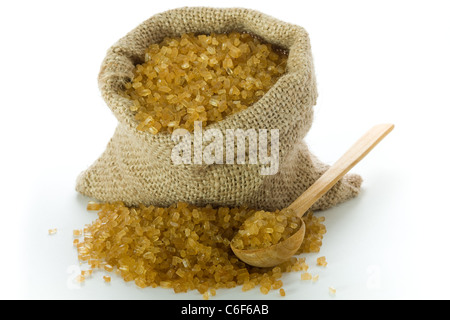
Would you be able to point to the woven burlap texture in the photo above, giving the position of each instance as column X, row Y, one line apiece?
column 136, row 166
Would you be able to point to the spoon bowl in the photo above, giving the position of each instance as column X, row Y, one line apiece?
column 282, row 251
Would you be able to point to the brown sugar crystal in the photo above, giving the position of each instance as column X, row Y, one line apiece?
column 201, row 78
column 181, row 247
column 80, row 278
column 322, row 262
column 306, row 276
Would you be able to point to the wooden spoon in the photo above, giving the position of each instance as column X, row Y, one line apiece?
column 282, row 251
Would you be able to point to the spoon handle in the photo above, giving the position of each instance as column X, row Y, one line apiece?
column 358, row 151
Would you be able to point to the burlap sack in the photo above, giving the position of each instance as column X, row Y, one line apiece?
column 137, row 167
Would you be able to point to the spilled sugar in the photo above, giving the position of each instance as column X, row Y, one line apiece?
column 182, row 247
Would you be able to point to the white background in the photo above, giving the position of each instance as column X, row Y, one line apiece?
column 376, row 61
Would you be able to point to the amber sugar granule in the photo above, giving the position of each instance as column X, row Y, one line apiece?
column 182, row 247
column 201, row 78
column 321, row 261
column 306, row 276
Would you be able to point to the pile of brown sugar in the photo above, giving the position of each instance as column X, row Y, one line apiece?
column 264, row 229
column 182, row 247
